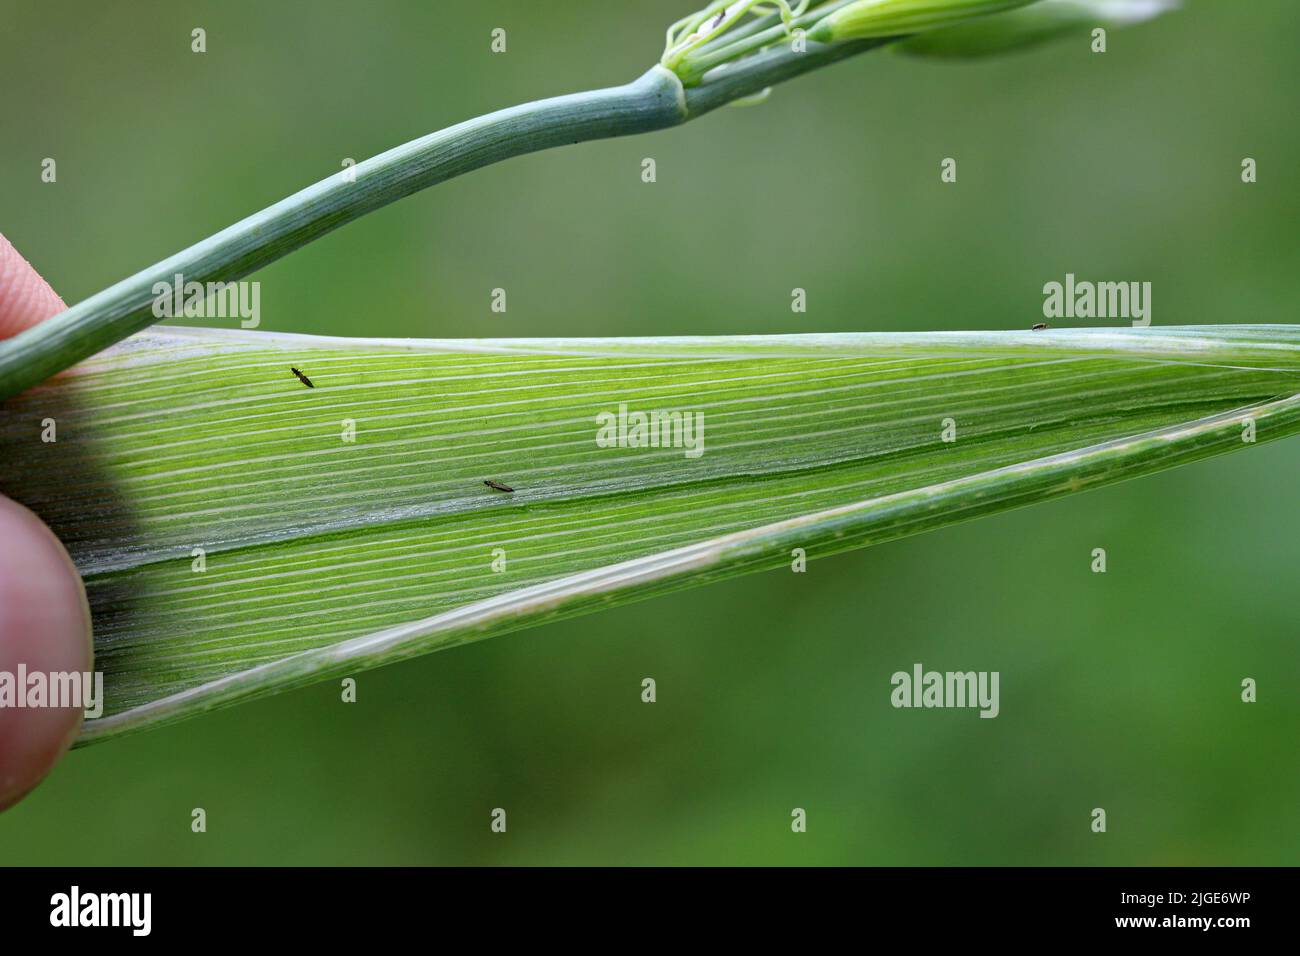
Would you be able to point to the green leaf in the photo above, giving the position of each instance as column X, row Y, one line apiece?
column 323, row 556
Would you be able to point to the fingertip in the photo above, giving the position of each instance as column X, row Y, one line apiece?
column 25, row 298
column 44, row 629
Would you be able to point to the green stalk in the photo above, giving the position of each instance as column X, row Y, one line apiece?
column 654, row 101
column 731, row 60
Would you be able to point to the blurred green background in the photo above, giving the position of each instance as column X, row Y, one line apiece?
column 1118, row 691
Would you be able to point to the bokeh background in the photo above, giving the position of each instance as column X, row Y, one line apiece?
column 1118, row 690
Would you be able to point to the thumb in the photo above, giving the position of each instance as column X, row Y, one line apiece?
column 44, row 629
column 44, row 620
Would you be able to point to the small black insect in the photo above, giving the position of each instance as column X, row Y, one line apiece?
column 1038, row 327
column 302, row 378
column 718, row 19
column 498, row 486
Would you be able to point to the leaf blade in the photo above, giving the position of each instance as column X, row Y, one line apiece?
column 325, row 556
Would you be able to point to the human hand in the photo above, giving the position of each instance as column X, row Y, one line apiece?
column 44, row 618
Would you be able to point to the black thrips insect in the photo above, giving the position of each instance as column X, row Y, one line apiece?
column 302, row 378
column 498, row 486
column 1039, row 326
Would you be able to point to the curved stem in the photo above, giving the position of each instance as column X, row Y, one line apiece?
column 655, row 101
column 651, row 102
